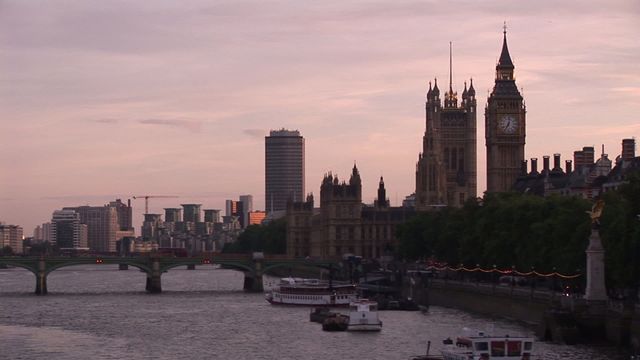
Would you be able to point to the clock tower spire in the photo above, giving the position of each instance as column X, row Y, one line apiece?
column 504, row 125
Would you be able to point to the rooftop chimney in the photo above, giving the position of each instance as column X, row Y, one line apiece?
column 628, row 149
column 534, row 166
column 545, row 163
column 556, row 162
column 523, row 168
column 568, row 168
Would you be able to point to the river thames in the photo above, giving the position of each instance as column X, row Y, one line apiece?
column 98, row 312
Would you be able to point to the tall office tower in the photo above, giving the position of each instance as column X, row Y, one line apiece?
column 191, row 212
column 284, row 169
column 172, row 215
column 446, row 168
column 65, row 227
column 11, row 235
column 102, row 223
column 505, row 126
column 212, row 215
column 125, row 214
column 235, row 208
column 247, row 207
column 151, row 227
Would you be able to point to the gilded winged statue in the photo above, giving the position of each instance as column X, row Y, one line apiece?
column 596, row 212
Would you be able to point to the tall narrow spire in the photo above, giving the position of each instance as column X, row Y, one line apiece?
column 505, row 58
column 450, row 68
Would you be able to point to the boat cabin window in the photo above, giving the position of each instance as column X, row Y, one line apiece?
column 514, row 348
column 528, row 345
column 373, row 307
column 497, row 348
column 482, row 346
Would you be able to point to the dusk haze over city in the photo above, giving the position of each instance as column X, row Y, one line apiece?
column 110, row 99
column 294, row 179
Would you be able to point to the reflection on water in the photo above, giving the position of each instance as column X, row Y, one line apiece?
column 102, row 313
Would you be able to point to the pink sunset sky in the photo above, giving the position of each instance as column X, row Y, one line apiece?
column 109, row 99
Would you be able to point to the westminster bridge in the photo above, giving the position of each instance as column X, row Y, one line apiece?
column 253, row 266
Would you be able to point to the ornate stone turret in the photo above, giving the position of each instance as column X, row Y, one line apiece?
column 382, row 201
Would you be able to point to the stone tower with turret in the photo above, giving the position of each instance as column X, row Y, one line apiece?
column 504, row 126
column 446, row 168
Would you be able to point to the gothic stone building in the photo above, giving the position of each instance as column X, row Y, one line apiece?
column 446, row 168
column 343, row 224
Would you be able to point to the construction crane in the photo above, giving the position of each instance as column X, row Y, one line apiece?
column 147, row 197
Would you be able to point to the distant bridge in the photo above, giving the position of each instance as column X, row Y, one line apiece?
column 253, row 267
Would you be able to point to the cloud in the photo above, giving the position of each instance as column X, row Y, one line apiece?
column 106, row 121
column 255, row 133
column 195, row 126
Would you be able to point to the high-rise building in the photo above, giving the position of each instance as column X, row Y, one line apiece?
column 284, row 169
column 212, row 215
column 247, row 207
column 505, row 129
column 11, row 235
column 256, row 217
column 125, row 214
column 65, row 227
column 446, row 168
column 103, row 227
column 191, row 212
column 172, row 214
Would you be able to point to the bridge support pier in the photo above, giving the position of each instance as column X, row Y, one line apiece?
column 154, row 284
column 41, row 283
column 253, row 283
column 123, row 267
column 253, row 280
column 41, row 278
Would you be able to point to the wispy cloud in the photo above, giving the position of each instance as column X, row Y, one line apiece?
column 195, row 126
column 106, row 121
column 255, row 133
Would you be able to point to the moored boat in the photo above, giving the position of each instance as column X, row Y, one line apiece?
column 363, row 316
column 484, row 347
column 312, row 292
column 335, row 322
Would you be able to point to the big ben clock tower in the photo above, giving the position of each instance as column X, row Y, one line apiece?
column 504, row 126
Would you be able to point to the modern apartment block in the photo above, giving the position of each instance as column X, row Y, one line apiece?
column 67, row 231
column 11, row 235
column 284, row 169
column 103, row 226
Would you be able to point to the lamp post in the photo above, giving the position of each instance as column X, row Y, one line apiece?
column 513, row 278
column 533, row 280
column 553, row 283
column 494, row 276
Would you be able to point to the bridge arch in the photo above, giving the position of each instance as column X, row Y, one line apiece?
column 138, row 265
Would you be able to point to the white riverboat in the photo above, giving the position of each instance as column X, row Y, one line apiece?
column 483, row 347
column 312, row 292
column 363, row 316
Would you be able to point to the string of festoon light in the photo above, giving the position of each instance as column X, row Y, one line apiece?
column 504, row 272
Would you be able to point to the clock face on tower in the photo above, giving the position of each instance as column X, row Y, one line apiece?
column 508, row 124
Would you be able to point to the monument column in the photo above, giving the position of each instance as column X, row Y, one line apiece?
column 596, row 290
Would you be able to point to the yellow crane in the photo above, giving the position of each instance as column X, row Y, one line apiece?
column 147, row 197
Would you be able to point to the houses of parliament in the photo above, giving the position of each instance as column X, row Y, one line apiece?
column 446, row 172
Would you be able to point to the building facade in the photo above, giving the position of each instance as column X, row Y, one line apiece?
column 11, row 235
column 102, row 226
column 67, row 229
column 505, row 126
column 446, row 170
column 343, row 225
column 284, row 169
